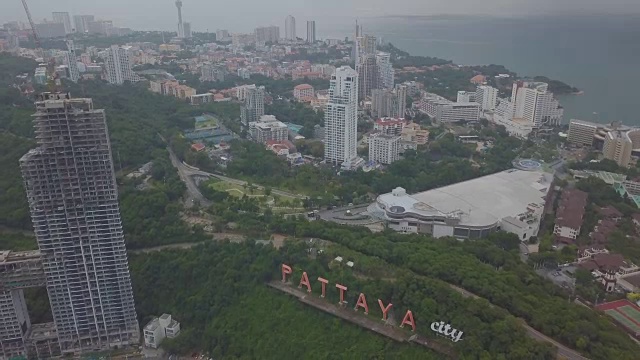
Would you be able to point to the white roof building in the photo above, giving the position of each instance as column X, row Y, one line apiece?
column 512, row 200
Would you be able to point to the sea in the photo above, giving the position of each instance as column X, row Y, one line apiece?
column 599, row 54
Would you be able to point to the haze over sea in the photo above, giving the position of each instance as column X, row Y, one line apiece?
column 598, row 54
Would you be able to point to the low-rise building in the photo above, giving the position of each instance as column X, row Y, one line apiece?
column 569, row 216
column 303, row 91
column 160, row 328
column 268, row 128
column 384, row 149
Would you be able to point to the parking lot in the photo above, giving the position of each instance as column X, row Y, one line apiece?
column 560, row 277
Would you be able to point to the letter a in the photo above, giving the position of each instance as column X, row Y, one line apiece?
column 324, row 286
column 408, row 319
column 304, row 280
column 362, row 302
column 384, row 309
column 286, row 270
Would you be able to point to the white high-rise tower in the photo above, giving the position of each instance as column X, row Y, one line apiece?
column 341, row 118
column 118, row 65
column 180, row 26
column 290, row 28
column 311, row 31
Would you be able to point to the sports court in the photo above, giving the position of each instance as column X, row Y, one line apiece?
column 624, row 312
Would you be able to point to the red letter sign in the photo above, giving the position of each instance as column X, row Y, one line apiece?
column 286, row 269
column 342, row 290
column 304, row 280
column 408, row 319
column 324, row 286
column 362, row 302
column 384, row 309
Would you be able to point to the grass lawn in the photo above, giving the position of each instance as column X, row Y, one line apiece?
column 240, row 191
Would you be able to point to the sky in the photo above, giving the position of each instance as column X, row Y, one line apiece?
column 244, row 15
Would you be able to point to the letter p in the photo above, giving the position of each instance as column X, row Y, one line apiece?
column 286, row 270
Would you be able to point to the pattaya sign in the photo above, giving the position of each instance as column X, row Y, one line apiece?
column 438, row 326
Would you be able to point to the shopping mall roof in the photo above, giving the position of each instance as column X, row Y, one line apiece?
column 481, row 201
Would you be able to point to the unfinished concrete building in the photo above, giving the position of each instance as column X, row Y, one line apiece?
column 73, row 199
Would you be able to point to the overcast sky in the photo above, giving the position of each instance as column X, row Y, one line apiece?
column 244, row 15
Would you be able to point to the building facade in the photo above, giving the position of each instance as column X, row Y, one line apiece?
column 581, row 132
column 73, row 199
column 303, row 91
column 253, row 107
column 267, row 34
column 118, row 65
column 386, row 73
column 268, row 128
column 384, row 149
column 341, row 117
column 534, row 103
column 311, row 31
column 290, row 28
column 50, row 30
column 63, row 18
column 367, row 75
column 81, row 23
column 487, row 97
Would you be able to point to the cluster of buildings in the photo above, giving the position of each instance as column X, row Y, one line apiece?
column 443, row 110
column 61, row 25
column 393, row 136
column 531, row 106
column 617, row 142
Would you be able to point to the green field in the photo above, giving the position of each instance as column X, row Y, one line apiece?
column 209, row 122
column 277, row 203
column 630, row 312
column 622, row 320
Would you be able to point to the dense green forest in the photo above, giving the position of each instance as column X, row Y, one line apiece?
column 226, row 309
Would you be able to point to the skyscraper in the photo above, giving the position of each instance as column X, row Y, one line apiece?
column 341, row 118
column 386, row 73
column 487, row 97
column 180, row 25
column 63, row 18
column 253, row 107
column 82, row 22
column 311, row 31
column 389, row 103
column 118, row 65
column 186, row 29
column 73, row 199
column 367, row 75
column 71, row 60
column 290, row 28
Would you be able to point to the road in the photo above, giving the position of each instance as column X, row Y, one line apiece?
column 563, row 351
column 193, row 193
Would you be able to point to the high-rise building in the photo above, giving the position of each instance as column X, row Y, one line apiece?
column 311, row 31
column 389, row 103
column 367, row 75
column 364, row 45
column 290, row 28
column 63, row 18
column 341, row 118
column 487, row 97
column 118, row 65
column 73, row 200
column 267, row 34
column 71, row 60
column 50, row 30
column 81, row 22
column 186, row 28
column 253, row 107
column 386, row 73
column 534, row 103
column 102, row 27
column 180, row 25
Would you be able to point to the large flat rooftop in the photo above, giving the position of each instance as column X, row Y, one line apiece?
column 481, row 201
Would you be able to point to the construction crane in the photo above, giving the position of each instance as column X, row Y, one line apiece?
column 51, row 63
